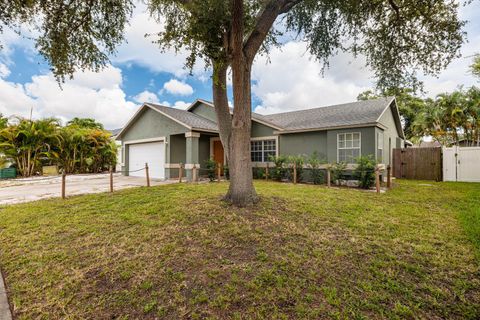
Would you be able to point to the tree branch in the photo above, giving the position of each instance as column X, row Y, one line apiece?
column 264, row 23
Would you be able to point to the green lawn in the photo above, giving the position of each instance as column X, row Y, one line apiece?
column 305, row 252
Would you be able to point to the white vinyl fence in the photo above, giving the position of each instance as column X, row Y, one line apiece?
column 461, row 164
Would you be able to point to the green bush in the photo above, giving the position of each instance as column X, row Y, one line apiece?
column 258, row 173
column 226, row 172
column 316, row 174
column 365, row 171
column 278, row 172
column 211, row 165
column 338, row 171
column 299, row 161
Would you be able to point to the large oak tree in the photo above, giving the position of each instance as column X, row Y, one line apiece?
column 397, row 37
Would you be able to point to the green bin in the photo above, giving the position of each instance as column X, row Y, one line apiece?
column 8, row 173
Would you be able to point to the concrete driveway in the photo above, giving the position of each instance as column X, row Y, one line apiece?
column 36, row 188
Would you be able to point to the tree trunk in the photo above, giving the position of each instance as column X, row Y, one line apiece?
column 241, row 191
column 220, row 101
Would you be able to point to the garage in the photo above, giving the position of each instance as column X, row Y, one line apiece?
column 152, row 153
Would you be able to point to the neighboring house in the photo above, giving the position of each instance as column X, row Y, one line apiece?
column 115, row 133
column 165, row 137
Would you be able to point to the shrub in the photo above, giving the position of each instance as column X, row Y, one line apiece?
column 338, row 171
column 211, row 165
column 226, row 172
column 314, row 163
column 279, row 171
column 299, row 162
column 258, row 173
column 365, row 171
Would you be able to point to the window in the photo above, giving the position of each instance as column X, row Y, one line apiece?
column 348, row 145
column 261, row 150
column 380, row 146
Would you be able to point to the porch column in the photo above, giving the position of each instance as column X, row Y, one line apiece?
column 191, row 153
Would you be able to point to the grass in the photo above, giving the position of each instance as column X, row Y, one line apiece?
column 305, row 252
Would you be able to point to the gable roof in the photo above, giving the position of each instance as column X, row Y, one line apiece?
column 185, row 118
column 358, row 113
column 255, row 116
column 354, row 114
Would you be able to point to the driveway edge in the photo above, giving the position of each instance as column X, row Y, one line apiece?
column 5, row 313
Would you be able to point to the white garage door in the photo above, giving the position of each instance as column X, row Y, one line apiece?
column 152, row 153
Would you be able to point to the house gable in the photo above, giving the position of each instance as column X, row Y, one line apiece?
column 203, row 109
column 149, row 123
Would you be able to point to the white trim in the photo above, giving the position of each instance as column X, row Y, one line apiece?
column 266, row 138
column 146, row 140
column 134, row 117
column 191, row 134
column 359, row 143
column 363, row 125
column 265, row 123
column 190, row 165
column 172, row 165
column 394, row 100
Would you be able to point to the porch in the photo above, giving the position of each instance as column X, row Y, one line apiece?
column 192, row 149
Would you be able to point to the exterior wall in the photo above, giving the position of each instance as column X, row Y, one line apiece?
column 205, row 111
column 304, row 143
column 389, row 134
column 203, row 149
column 178, row 149
column 151, row 124
column 367, row 145
column 260, row 130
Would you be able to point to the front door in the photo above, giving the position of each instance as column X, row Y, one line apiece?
column 218, row 154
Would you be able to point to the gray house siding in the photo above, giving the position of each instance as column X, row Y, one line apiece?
column 304, row 143
column 205, row 111
column 203, row 149
column 391, row 136
column 367, row 145
column 260, row 130
column 151, row 124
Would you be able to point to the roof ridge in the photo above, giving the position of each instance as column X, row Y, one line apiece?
column 329, row 106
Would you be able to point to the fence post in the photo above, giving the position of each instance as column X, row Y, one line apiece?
column 377, row 179
column 389, row 173
column 64, row 176
column 328, row 177
column 194, row 173
column 266, row 172
column 147, row 174
column 294, row 173
column 180, row 172
column 111, row 179
column 219, row 172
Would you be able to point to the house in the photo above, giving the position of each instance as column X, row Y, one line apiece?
column 114, row 133
column 165, row 137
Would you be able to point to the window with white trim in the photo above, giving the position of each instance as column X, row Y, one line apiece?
column 348, row 147
column 380, row 146
column 261, row 150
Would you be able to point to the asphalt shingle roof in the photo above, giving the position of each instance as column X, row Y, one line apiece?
column 190, row 119
column 342, row 115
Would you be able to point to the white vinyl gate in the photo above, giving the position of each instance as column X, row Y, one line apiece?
column 461, row 164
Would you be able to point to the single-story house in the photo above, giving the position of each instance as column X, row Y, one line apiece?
column 165, row 137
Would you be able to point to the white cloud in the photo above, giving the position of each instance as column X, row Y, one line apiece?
column 94, row 95
column 293, row 80
column 178, row 87
column 146, row 96
column 178, row 104
column 4, row 71
column 141, row 50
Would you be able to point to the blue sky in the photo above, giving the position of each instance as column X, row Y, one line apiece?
column 139, row 72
